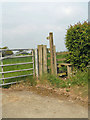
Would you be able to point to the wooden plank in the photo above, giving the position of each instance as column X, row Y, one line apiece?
column 65, row 64
column 61, row 74
column 16, row 64
column 15, row 77
column 61, row 59
column 36, row 62
column 16, row 71
column 62, row 53
column 55, row 61
column 40, row 53
column 16, row 57
column 45, row 58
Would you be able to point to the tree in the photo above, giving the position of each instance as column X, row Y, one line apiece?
column 77, row 43
column 8, row 52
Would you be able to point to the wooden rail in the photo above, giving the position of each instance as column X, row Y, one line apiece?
column 62, row 53
column 62, row 59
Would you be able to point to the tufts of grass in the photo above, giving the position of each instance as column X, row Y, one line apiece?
column 31, row 81
column 80, row 78
column 53, row 80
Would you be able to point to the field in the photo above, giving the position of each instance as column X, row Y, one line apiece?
column 19, row 67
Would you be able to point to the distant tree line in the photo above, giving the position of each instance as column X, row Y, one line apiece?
column 8, row 52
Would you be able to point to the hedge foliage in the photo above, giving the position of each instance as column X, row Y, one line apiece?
column 77, row 43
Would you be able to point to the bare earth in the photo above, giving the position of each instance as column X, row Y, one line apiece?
column 27, row 104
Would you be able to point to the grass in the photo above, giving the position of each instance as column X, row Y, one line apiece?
column 16, row 67
column 79, row 79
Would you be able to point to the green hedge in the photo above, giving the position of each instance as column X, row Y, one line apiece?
column 77, row 43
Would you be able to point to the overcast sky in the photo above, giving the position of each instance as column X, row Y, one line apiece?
column 26, row 25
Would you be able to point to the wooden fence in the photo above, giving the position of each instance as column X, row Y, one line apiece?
column 40, row 57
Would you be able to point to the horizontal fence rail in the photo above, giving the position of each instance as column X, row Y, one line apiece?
column 17, row 64
column 62, row 53
column 62, row 59
column 15, row 77
column 13, row 49
column 20, row 54
column 16, row 57
column 16, row 71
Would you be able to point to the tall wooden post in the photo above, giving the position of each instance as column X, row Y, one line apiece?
column 45, row 58
column 36, row 61
column 55, row 61
column 51, row 52
column 40, row 55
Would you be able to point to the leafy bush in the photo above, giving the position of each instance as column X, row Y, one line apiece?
column 77, row 43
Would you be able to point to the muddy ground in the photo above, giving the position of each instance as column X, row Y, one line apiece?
column 39, row 102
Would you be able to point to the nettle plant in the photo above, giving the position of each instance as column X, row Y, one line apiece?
column 77, row 43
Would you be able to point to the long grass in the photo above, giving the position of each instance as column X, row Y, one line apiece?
column 78, row 79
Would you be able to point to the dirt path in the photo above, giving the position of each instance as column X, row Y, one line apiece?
column 26, row 104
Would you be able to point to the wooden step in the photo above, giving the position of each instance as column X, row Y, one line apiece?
column 61, row 74
column 65, row 64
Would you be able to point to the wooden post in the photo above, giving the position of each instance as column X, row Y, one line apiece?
column 33, row 62
column 2, row 66
column 45, row 58
column 51, row 52
column 69, row 70
column 40, row 52
column 55, row 62
column 36, row 61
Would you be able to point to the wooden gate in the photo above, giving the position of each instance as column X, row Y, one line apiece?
column 9, row 66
